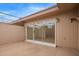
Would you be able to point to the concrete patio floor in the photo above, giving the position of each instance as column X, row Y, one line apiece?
column 30, row 49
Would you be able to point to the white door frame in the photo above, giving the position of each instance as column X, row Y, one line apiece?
column 39, row 42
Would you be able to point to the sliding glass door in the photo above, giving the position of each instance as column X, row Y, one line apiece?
column 44, row 33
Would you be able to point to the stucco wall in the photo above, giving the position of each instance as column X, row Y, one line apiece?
column 11, row 33
column 78, row 28
column 66, row 32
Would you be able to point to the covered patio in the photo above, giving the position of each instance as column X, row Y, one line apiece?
column 29, row 49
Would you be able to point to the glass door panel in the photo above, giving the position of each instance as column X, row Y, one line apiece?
column 49, row 33
column 38, row 34
column 29, row 33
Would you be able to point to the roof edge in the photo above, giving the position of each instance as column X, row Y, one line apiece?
column 19, row 20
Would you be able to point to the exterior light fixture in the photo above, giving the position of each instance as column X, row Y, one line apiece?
column 57, row 19
column 73, row 19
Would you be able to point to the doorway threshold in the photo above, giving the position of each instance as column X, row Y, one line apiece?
column 42, row 43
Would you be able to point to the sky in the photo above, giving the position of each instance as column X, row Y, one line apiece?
column 20, row 10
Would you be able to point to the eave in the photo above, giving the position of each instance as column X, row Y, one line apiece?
column 61, row 7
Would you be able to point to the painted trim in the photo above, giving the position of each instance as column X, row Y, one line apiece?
column 33, row 33
column 55, row 33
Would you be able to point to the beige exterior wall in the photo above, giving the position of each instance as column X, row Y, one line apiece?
column 11, row 33
column 66, row 32
column 78, row 29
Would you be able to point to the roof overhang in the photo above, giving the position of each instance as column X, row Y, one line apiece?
column 66, row 6
column 46, row 13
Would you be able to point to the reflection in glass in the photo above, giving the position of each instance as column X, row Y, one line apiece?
column 29, row 33
column 49, row 35
column 38, row 34
column 45, row 33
